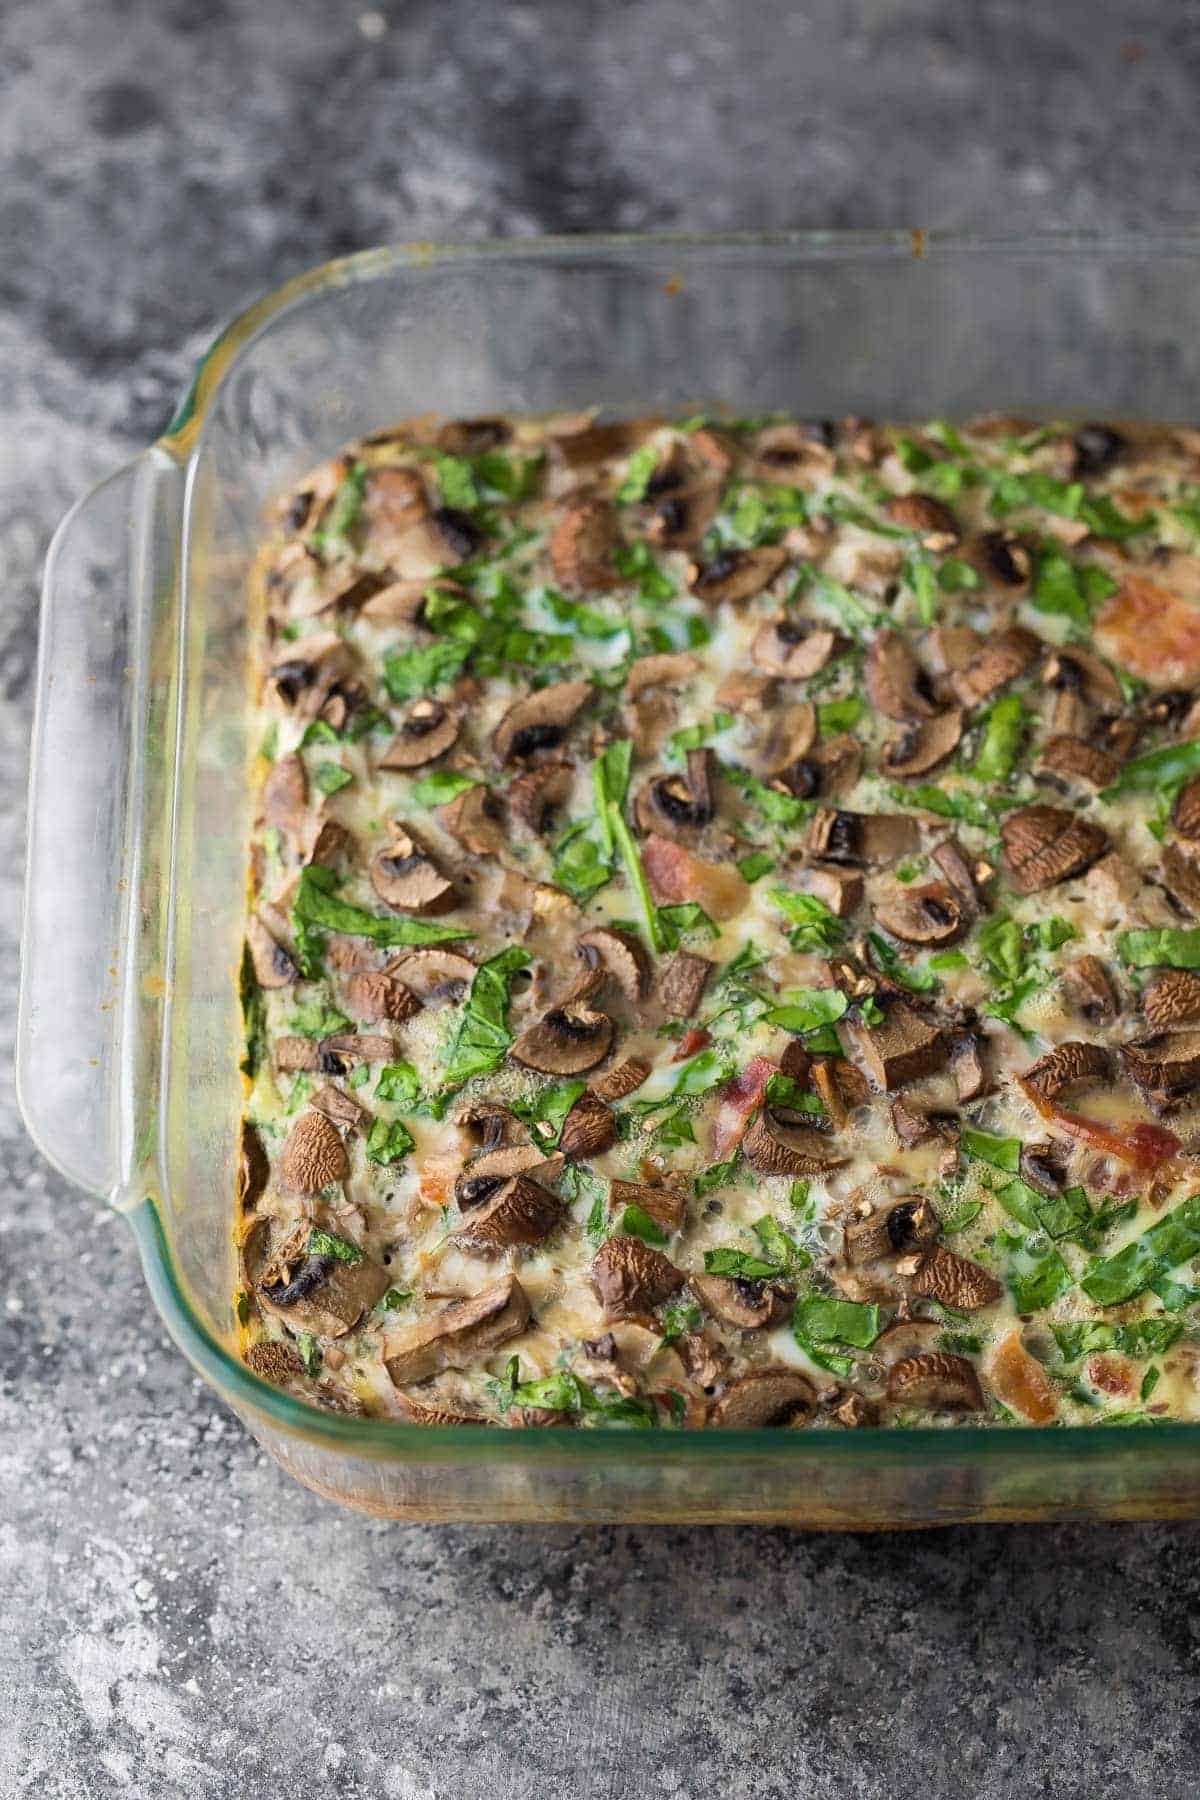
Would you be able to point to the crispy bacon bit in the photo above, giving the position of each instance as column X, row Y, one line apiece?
column 1145, row 1146
column 739, row 1098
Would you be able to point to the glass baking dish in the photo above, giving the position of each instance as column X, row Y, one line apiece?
column 129, row 1033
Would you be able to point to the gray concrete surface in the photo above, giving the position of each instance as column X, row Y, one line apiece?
column 176, row 1619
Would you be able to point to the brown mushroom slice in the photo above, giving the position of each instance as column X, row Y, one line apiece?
column 924, row 744
column 932, row 914
column 567, row 1040
column 327, row 1295
column 1003, row 657
column 963, row 877
column 274, row 967
column 328, row 840
column 426, row 731
column 519, row 1212
column 631, row 1278
column 437, row 977
column 484, row 1174
column 736, row 575
column 1165, row 1067
column 793, row 648
column 840, row 889
column 1073, row 759
column 1088, row 986
column 476, row 818
column 682, row 981
column 340, row 1107
column 416, row 1412
column 734, row 1301
column 404, row 602
column 285, row 795
column 354, row 1046
column 539, row 721
column 407, row 879
column 913, row 1128
column 374, row 994
column 765, row 1398
column 595, row 442
column 297, row 1056
column 254, row 1168
column 624, row 1078
column 1185, row 815
column 897, row 686
column 465, row 1332
column 1172, row 998
column 589, row 1129
column 862, row 839
column 275, row 1361
column 668, row 669
column 1044, row 845
column 776, row 1144
column 304, row 680
column 471, row 437
column 679, row 804
column 904, row 1048
column 1066, row 1065
column 741, row 691
column 1081, row 672
column 1002, row 557
column 890, row 1231
column 665, row 1205
column 536, row 796
column 313, row 1155
column 620, row 956
column 966, row 1066
column 791, row 734
column 921, row 513
column 1181, row 877
column 441, row 540
column 582, row 543
column 679, row 521
column 935, row 1381
column 955, row 1281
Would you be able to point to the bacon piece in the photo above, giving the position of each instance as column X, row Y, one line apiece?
column 739, row 1098
column 1146, row 1146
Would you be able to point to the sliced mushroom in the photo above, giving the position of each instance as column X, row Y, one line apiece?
column 322, row 1294
column 1082, row 672
column 966, row 879
column 682, row 803
column 374, row 994
column 955, row 1281
column 905, row 1337
column 791, row 734
column 327, row 842
column 407, row 879
column 913, row 1128
column 437, row 977
column 567, row 1040
column 966, row 1066
column 765, row 1398
column 896, row 683
column 840, row 889
column 426, row 731
column 932, row 914
column 593, row 442
column 664, row 1204
column 304, row 681
column 300, row 1055
column 340, row 1107
column 923, row 745
column 670, row 669
column 793, row 648
column 743, row 692
column 734, row 1301
column 1172, row 998
column 285, row 795
column 536, row 796
column 934, row 521
column 476, row 818
column 679, row 521
column 254, row 1168
column 404, row 602
column 620, row 956
column 1096, row 448
column 485, row 1174
column 520, row 1211
column 1043, row 1166
column 791, row 449
column 582, row 543
column 1185, row 815
column 1088, row 986
column 625, row 1078
column 1002, row 556
column 862, row 839
column 275, row 1361
column 890, row 1231
column 589, row 1129
column 418, row 1413
column 1181, row 876
column 631, row 1278
column 1003, row 657
column 736, row 575
column 936, row 1381
column 440, row 540
column 313, row 1155
column 274, row 967
column 682, row 981
column 904, row 1048
column 1165, row 1067
column 471, row 437
column 1044, row 845
column 464, row 1332
column 1066, row 1065
column 1073, row 759
column 539, row 721
column 776, row 1144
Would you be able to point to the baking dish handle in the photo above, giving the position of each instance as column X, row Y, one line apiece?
column 101, row 705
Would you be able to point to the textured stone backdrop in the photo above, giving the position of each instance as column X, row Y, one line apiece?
column 175, row 1618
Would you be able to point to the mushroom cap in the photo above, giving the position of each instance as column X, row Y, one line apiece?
column 1181, row 875
column 520, row 1211
column 1066, row 1064
column 1185, row 815
column 407, row 879
column 894, row 1230
column 567, row 1040
column 794, row 648
column 906, row 1337
column 285, row 795
column 1165, row 1067
column 956, row 1281
column 862, row 839
column 791, row 734
column 476, row 818
column 670, row 668
column 736, row 575
column 471, row 437
column 313, row 1155
column 904, row 1048
column 631, row 1278
column 1002, row 658
column 924, row 744
column 436, row 976
column 936, row 1380
column 535, row 796
column 1003, row 557
column 922, row 513
column 1172, row 998
column 375, row 994
column 734, row 1301
column 418, row 1412
column 664, row 1203
column 622, row 1079
column 682, row 981
column 539, row 721
column 582, row 543
column 680, row 804
column 589, row 1129
column 274, row 967
column 274, row 1360
column 1081, row 671
column 765, row 1397
column 896, row 683
column 1045, row 844
column 254, row 1168
column 461, row 1333
column 482, row 1176
column 620, row 955
column 427, row 729
column 1073, row 759
column 931, row 914
column 774, row 1145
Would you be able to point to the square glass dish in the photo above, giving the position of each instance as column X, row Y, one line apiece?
column 129, row 1033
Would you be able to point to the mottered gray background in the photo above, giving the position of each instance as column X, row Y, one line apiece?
column 176, row 1619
